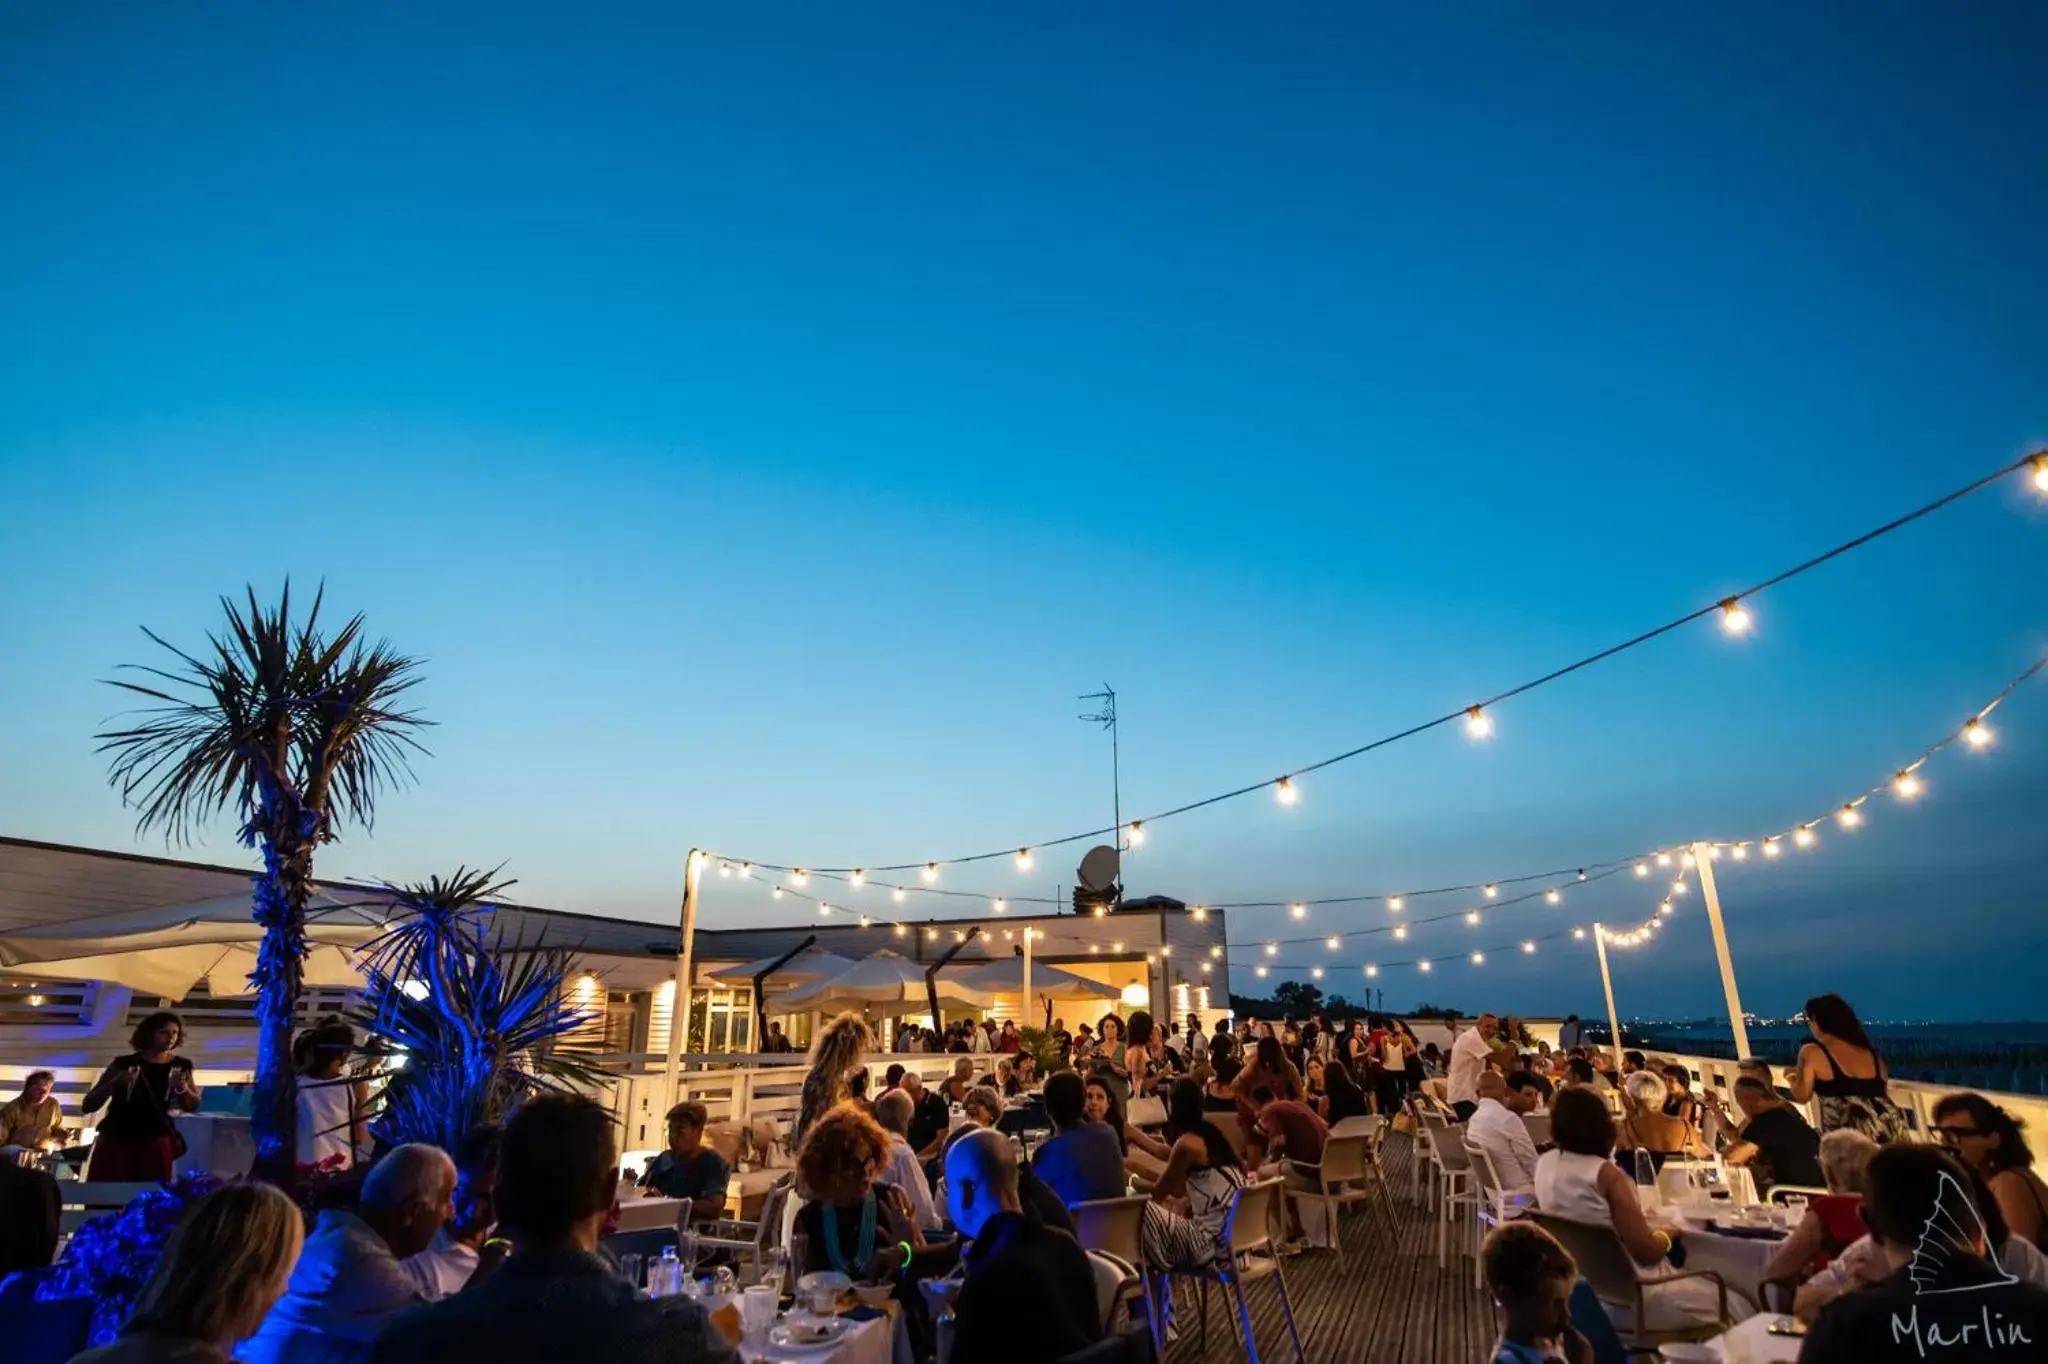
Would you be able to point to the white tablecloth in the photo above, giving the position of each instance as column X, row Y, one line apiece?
column 1749, row 1343
column 1739, row 1260
column 881, row 1341
column 220, row 1143
column 648, row 1214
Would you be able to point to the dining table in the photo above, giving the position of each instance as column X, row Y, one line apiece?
column 1749, row 1342
column 1715, row 1239
column 879, row 1340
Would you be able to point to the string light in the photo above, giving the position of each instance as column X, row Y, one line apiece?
column 1135, row 835
column 1772, row 847
column 1579, row 933
column 1205, row 968
column 1422, row 965
column 1298, row 910
column 1688, row 861
column 1316, row 972
column 2041, row 473
column 1095, row 947
column 1371, row 969
column 1001, row 906
column 1272, row 949
column 1478, row 957
column 1664, row 907
column 902, row 929
column 777, row 892
column 1905, row 785
column 1977, row 734
column 1528, row 947
column 1735, row 617
column 1284, row 792
column 1400, row 933
column 1395, row 904
column 725, row 869
column 1491, row 890
column 1472, row 917
column 959, row 936
column 1714, row 852
column 1678, row 888
column 1101, row 911
column 1478, row 724
column 1740, row 852
column 857, row 879
column 931, row 934
column 898, row 894
column 746, row 869
column 1166, row 949
column 1023, row 859
column 1848, row 816
column 1116, row 947
column 1200, row 914
column 864, row 921
column 931, row 872
column 1805, row 836
column 799, row 878
column 1642, row 869
column 1663, row 859
column 1216, row 951
column 1333, row 942
column 1553, row 897
column 824, row 908
column 1260, row 972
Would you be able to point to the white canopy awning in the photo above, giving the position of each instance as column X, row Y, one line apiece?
column 1005, row 976
column 883, row 983
column 811, row 964
column 168, row 949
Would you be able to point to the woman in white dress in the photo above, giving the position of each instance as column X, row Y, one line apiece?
column 1579, row 1182
column 333, row 1109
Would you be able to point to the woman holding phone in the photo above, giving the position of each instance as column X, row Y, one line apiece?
column 138, row 1138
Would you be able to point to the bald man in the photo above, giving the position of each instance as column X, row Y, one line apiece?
column 894, row 1111
column 348, row 1282
column 1029, row 1294
column 1496, row 1128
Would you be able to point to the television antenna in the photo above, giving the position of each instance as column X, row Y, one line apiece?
column 1105, row 716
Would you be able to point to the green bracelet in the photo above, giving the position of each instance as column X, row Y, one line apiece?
column 906, row 1253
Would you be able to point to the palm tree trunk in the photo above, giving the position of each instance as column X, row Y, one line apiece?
column 282, row 891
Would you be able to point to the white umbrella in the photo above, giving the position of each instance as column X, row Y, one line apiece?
column 881, row 983
column 166, row 950
column 1005, row 976
column 811, row 964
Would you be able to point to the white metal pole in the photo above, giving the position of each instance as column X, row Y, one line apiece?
column 1029, row 1017
column 679, row 1009
column 1607, row 984
column 1712, row 894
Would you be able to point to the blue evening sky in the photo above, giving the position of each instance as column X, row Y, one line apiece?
column 767, row 419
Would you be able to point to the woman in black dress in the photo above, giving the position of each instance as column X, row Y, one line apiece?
column 137, row 1140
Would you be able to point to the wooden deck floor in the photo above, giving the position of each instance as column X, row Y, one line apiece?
column 1388, row 1304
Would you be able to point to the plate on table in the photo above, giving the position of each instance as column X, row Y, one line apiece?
column 807, row 1333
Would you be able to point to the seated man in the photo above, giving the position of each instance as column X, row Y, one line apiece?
column 689, row 1169
column 348, row 1282
column 1292, row 1133
column 34, row 1121
column 1029, row 1293
column 929, row 1117
column 448, row 1265
column 1948, row 1297
column 1083, row 1161
column 555, row 1299
column 1774, row 1141
column 893, row 1111
column 1496, row 1128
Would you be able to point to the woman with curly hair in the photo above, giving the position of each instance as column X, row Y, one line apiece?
column 1992, row 1142
column 835, row 1055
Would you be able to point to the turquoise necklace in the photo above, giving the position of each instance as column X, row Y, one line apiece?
column 864, row 1243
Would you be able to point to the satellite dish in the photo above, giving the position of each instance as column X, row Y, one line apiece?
column 1099, row 868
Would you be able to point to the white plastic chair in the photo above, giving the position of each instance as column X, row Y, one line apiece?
column 1249, row 1254
column 1455, row 1189
column 1116, row 1227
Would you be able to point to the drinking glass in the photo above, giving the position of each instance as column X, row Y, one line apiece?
column 631, row 1269
column 686, row 1251
column 757, row 1311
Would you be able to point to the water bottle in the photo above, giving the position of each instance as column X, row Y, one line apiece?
column 665, row 1275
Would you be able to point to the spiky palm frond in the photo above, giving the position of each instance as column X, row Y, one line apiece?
column 271, row 713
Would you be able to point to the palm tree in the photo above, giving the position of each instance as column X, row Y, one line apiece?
column 297, row 732
column 475, row 1016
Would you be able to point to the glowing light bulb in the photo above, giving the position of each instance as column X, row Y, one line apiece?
column 1678, row 888
column 1095, row 947
column 1491, row 891
column 1905, row 786
column 725, row 869
column 1664, row 908
column 1528, row 948
column 857, row 878
column 1579, row 933
column 1663, row 859
column 746, row 868
column 1740, row 852
column 959, row 936
column 931, row 934
column 1001, row 906
column 1848, row 816
column 1116, row 947
column 864, row 921
column 1101, row 911
column 1299, row 911
column 1316, row 971
column 1472, row 916
column 1023, row 859
column 1714, row 852
column 1478, row 724
column 1200, row 914
column 1805, row 836
column 1284, row 791
column 1272, row 949
column 1977, row 734
column 1216, row 951
column 898, row 894
column 1772, row 847
column 1009, row 936
column 1422, row 965
column 824, row 908
column 1735, row 617
column 1260, row 972
column 777, row 892
column 1687, row 860
column 1205, row 968
column 1582, row 873
column 1642, row 868
column 902, row 930
column 1371, row 969
column 2041, row 473
column 1395, row 904
column 1135, row 835
column 1333, row 942
column 1400, row 933
column 799, row 878
column 1478, row 957
column 931, row 871
column 1553, row 896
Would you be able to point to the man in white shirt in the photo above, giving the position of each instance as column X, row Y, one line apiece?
column 981, row 1038
column 449, row 1264
column 894, row 1110
column 1469, row 1055
column 1198, row 1042
column 348, row 1282
column 1496, row 1128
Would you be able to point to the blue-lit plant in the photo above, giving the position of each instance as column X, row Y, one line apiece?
column 110, row 1258
column 474, row 1016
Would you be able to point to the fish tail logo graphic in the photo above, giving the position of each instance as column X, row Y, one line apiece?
column 1953, row 1229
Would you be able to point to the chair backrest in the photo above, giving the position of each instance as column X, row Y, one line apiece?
column 1538, row 1125
column 1363, row 1125
column 1112, row 1273
column 1346, row 1157
column 1482, row 1165
column 1146, row 1111
column 1448, row 1145
column 1249, row 1225
column 1114, row 1225
column 769, row 1228
column 1603, row 1261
